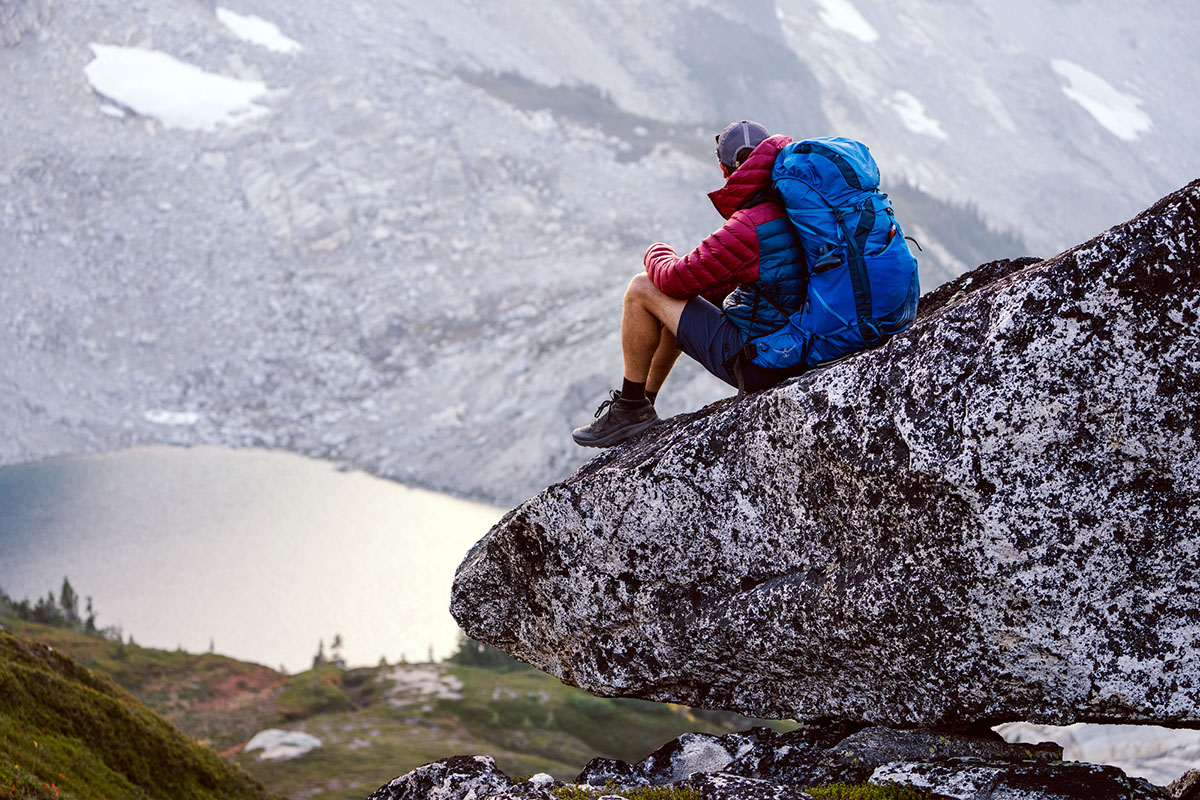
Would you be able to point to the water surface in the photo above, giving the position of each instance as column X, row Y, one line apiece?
column 261, row 553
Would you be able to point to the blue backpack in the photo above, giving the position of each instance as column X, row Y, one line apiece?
column 862, row 279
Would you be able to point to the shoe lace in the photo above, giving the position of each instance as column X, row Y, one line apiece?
column 614, row 396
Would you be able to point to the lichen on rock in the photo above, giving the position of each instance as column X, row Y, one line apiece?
column 993, row 517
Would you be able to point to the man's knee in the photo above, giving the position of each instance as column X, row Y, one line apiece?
column 641, row 288
column 643, row 295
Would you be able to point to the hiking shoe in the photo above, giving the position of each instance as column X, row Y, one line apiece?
column 617, row 419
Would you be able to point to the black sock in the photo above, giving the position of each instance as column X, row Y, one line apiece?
column 634, row 392
column 651, row 395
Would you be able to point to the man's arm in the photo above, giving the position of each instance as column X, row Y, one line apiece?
column 720, row 263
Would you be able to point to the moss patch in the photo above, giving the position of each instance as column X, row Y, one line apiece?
column 842, row 791
column 636, row 793
column 314, row 692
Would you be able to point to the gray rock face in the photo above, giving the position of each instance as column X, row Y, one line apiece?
column 993, row 517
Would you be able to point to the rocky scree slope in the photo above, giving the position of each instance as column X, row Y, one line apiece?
column 993, row 517
column 20, row 17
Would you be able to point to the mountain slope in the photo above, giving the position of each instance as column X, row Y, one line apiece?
column 66, row 729
column 412, row 262
column 373, row 722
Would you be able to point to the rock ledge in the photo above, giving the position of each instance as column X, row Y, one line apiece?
column 993, row 517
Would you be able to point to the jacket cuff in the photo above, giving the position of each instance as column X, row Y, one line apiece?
column 657, row 250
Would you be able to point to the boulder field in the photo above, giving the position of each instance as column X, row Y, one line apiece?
column 994, row 517
column 759, row 764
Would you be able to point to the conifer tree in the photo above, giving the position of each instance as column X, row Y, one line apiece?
column 335, row 651
column 68, row 600
column 319, row 658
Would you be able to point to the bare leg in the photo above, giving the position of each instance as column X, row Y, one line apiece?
column 664, row 358
column 648, row 324
column 648, row 316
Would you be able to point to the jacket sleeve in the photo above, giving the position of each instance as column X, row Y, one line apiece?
column 720, row 263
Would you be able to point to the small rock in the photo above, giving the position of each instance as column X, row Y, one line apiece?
column 454, row 778
column 724, row 786
column 600, row 771
column 971, row 778
column 790, row 757
column 681, row 758
column 1186, row 786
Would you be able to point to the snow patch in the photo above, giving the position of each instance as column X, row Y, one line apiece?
column 1118, row 112
column 279, row 745
column 912, row 114
column 257, row 30
column 841, row 15
column 420, row 683
column 177, row 94
column 161, row 416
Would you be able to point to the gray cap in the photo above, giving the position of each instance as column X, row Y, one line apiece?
column 736, row 136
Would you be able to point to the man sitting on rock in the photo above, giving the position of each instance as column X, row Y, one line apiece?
column 710, row 302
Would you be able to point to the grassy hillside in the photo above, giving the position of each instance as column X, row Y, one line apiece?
column 379, row 722
column 66, row 731
column 215, row 699
column 527, row 721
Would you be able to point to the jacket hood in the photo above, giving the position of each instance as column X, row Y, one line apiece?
column 750, row 178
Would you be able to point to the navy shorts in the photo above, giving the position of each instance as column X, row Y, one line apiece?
column 708, row 336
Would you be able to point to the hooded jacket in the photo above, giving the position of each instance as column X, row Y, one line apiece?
column 756, row 252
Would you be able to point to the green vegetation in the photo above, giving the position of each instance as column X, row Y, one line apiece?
column 526, row 720
column 374, row 722
column 638, row 793
column 842, row 791
column 66, row 731
column 314, row 692
column 218, row 700
column 529, row 712
column 472, row 653
column 58, row 612
column 21, row 784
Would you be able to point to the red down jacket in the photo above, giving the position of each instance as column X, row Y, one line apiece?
column 756, row 251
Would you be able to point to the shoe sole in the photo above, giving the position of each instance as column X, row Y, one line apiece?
column 617, row 436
